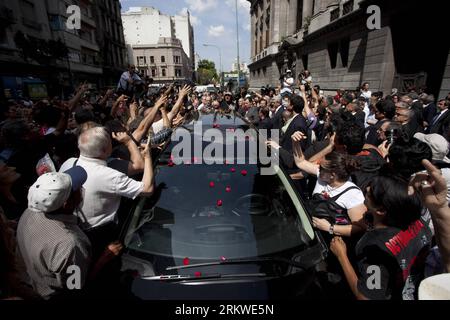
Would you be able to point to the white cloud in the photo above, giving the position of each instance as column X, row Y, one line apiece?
column 247, row 27
column 194, row 20
column 201, row 5
column 216, row 31
column 242, row 4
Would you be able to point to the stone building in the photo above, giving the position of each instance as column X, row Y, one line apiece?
column 33, row 33
column 165, row 61
column 147, row 29
column 332, row 40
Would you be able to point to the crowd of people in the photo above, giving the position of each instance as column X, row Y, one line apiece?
column 372, row 167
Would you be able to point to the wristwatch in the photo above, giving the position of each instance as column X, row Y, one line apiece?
column 331, row 230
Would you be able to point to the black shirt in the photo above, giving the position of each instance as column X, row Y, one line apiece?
column 391, row 261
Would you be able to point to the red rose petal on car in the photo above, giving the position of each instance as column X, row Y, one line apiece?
column 185, row 261
column 219, row 203
column 228, row 189
column 244, row 172
column 197, row 274
column 211, row 184
column 233, row 170
column 170, row 163
column 223, row 258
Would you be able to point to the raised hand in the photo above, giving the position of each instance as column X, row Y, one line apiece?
column 185, row 91
column 121, row 137
column 298, row 137
column 161, row 101
column 431, row 186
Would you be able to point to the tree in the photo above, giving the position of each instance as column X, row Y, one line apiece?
column 207, row 72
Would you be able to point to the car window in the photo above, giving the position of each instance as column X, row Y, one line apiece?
column 210, row 211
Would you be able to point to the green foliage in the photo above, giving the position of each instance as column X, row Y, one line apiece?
column 206, row 72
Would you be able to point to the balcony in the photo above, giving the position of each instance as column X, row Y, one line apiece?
column 273, row 49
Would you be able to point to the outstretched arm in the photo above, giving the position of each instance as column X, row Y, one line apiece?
column 299, row 157
column 145, row 124
column 176, row 108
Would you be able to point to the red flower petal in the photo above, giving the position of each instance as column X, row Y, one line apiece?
column 223, row 258
column 228, row 189
column 211, row 184
column 170, row 163
column 244, row 172
column 219, row 203
column 185, row 261
column 233, row 170
column 198, row 274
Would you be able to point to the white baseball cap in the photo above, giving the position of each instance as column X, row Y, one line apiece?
column 435, row 288
column 51, row 190
column 438, row 144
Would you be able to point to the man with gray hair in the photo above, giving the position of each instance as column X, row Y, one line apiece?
column 429, row 108
column 105, row 186
column 277, row 115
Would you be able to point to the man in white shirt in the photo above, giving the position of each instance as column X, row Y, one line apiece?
column 104, row 186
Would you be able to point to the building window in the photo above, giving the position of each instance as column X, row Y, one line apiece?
column 333, row 49
column 347, row 7
column 305, row 61
column 141, row 60
column 3, row 37
column 152, row 59
column 163, row 72
column 163, row 59
column 299, row 22
column 344, row 51
column 261, row 43
column 177, row 72
column 334, row 15
column 256, row 47
column 153, row 72
column 267, row 38
column 176, row 59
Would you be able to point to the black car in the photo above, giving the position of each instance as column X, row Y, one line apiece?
column 221, row 231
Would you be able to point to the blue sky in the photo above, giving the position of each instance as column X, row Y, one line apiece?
column 214, row 22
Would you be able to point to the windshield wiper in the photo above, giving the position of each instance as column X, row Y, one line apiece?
column 182, row 277
column 239, row 261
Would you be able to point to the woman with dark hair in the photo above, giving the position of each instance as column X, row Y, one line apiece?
column 391, row 255
column 334, row 181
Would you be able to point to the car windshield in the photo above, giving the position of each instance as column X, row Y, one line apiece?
column 211, row 211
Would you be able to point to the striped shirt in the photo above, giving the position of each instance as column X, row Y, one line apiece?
column 48, row 245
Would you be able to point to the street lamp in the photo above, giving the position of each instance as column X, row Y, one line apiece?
column 237, row 43
column 220, row 57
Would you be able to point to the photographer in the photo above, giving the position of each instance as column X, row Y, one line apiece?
column 306, row 79
column 287, row 82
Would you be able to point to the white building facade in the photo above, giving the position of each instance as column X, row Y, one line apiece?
column 147, row 27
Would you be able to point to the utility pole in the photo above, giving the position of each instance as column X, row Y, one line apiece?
column 237, row 42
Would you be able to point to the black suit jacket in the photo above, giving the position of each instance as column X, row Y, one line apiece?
column 277, row 120
column 442, row 126
column 429, row 112
column 298, row 124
